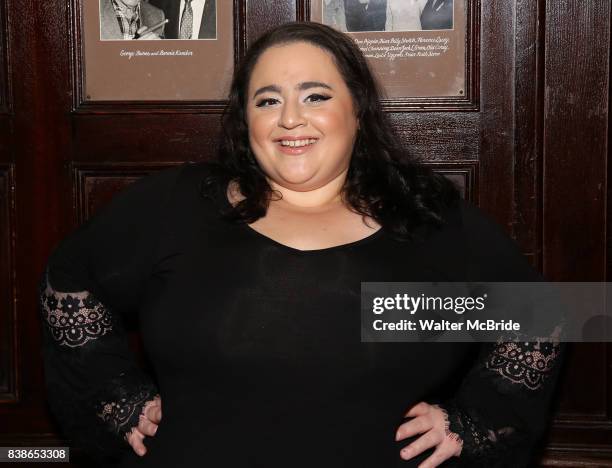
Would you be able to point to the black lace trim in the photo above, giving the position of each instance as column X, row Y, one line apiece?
column 447, row 430
column 481, row 446
column 527, row 363
column 122, row 411
column 72, row 318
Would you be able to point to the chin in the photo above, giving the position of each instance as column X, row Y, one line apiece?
column 300, row 181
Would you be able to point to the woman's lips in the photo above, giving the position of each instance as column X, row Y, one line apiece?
column 302, row 145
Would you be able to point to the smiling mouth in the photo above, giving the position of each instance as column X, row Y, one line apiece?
column 297, row 143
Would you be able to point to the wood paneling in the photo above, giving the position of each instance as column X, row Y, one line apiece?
column 532, row 151
column 96, row 183
column 496, row 152
column 435, row 136
column 528, row 99
column 150, row 138
column 8, row 351
column 261, row 16
column 575, row 153
column 464, row 174
column 9, row 390
column 575, row 136
column 5, row 91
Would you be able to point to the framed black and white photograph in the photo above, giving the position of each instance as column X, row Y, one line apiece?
column 124, row 20
column 154, row 51
column 422, row 51
column 388, row 15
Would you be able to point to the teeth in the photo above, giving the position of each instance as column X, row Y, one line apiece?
column 297, row 143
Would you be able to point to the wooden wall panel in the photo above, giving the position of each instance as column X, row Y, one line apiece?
column 439, row 136
column 464, row 174
column 9, row 390
column 528, row 103
column 5, row 92
column 96, row 183
column 150, row 138
column 261, row 16
column 575, row 131
column 533, row 153
column 8, row 351
column 575, row 151
column 497, row 111
column 36, row 127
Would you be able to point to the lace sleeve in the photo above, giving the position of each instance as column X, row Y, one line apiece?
column 93, row 280
column 95, row 389
column 502, row 407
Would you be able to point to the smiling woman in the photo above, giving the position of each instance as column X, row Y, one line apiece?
column 315, row 84
column 246, row 274
column 309, row 104
column 302, row 128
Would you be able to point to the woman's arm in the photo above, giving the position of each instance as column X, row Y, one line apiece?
column 499, row 414
column 502, row 408
column 93, row 279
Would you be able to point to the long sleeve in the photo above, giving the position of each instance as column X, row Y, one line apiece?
column 93, row 280
column 502, row 407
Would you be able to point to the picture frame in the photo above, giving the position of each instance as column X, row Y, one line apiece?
column 121, row 75
column 5, row 91
column 419, row 70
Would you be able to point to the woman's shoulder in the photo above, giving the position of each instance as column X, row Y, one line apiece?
column 487, row 249
column 184, row 178
column 463, row 216
column 177, row 188
column 494, row 252
column 481, row 229
column 199, row 192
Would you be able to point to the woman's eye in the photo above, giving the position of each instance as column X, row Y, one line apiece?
column 317, row 98
column 266, row 102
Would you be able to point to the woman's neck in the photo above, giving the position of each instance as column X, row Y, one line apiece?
column 319, row 199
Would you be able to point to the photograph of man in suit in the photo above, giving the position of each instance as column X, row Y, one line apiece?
column 365, row 15
column 127, row 19
column 189, row 19
column 437, row 14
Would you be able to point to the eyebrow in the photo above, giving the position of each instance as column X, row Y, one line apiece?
column 300, row 87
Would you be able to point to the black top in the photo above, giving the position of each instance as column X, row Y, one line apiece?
column 256, row 346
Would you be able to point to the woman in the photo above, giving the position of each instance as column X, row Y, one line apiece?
column 245, row 274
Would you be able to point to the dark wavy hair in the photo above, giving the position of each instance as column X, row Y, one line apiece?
column 383, row 181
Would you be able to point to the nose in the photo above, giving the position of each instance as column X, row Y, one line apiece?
column 291, row 115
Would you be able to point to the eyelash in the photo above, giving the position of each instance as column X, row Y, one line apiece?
column 266, row 102
column 320, row 97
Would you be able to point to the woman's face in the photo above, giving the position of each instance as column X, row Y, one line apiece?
column 301, row 118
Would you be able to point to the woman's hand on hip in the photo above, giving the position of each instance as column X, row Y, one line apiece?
column 147, row 425
column 432, row 422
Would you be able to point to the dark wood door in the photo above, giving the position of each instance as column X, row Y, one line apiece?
column 532, row 151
